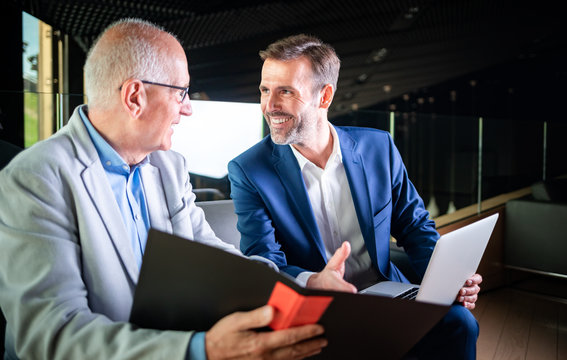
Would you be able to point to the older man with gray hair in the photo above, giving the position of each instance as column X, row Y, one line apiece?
column 76, row 210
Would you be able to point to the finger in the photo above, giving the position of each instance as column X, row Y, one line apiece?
column 471, row 299
column 339, row 257
column 471, row 290
column 461, row 295
column 291, row 336
column 468, row 299
column 474, row 280
column 343, row 285
column 330, row 280
column 300, row 350
column 253, row 319
column 469, row 306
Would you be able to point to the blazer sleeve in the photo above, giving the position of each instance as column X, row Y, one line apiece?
column 254, row 221
column 411, row 226
column 42, row 289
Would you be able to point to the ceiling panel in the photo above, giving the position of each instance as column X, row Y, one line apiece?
column 404, row 44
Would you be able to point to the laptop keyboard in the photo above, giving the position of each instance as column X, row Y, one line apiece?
column 409, row 294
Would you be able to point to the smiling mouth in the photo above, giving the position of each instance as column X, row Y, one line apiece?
column 280, row 120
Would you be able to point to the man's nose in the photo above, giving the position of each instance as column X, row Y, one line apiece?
column 272, row 103
column 186, row 108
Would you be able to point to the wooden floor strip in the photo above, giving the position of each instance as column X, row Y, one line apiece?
column 491, row 321
column 519, row 325
column 515, row 332
column 542, row 344
column 562, row 332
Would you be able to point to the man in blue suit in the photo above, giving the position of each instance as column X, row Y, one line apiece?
column 322, row 201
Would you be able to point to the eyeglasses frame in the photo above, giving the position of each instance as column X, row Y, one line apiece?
column 185, row 89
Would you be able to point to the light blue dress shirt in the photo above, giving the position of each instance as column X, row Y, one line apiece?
column 128, row 189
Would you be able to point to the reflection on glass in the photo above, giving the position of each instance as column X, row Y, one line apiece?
column 30, row 33
column 440, row 156
column 512, row 155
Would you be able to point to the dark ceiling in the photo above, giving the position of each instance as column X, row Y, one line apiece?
column 387, row 47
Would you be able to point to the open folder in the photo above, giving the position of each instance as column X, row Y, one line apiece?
column 186, row 285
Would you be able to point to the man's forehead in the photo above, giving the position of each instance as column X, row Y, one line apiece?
column 177, row 65
column 290, row 70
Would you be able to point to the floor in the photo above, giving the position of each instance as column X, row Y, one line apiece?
column 526, row 320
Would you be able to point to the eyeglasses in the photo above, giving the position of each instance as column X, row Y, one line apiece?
column 181, row 95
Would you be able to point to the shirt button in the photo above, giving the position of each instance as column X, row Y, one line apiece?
column 125, row 167
column 108, row 163
column 136, row 216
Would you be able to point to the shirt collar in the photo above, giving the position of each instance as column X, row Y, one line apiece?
column 336, row 154
column 111, row 160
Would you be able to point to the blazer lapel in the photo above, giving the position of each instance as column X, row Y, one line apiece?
column 155, row 198
column 97, row 185
column 103, row 199
column 288, row 170
column 356, row 176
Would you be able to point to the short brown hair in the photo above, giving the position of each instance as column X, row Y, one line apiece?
column 324, row 61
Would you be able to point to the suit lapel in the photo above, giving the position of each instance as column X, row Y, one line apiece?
column 288, row 170
column 155, row 198
column 354, row 168
column 103, row 199
column 97, row 185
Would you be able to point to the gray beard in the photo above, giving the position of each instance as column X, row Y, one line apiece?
column 299, row 134
column 285, row 139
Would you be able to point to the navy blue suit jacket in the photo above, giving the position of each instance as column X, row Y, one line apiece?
column 276, row 221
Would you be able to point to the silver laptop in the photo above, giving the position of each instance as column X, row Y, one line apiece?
column 455, row 258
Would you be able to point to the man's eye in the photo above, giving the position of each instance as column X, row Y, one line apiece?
column 286, row 92
column 264, row 91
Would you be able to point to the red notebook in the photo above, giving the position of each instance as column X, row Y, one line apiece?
column 293, row 309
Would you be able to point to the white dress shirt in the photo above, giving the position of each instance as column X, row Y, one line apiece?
column 333, row 207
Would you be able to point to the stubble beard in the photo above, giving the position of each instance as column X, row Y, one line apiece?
column 300, row 133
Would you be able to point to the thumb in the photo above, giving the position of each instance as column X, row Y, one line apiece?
column 337, row 261
column 253, row 319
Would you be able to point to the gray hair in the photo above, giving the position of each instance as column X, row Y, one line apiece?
column 126, row 49
column 324, row 60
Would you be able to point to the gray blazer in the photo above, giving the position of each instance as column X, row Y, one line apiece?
column 67, row 271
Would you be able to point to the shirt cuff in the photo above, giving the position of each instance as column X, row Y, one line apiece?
column 196, row 350
column 302, row 278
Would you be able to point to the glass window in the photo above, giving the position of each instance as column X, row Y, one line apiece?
column 30, row 77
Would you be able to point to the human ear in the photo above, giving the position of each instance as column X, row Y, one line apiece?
column 327, row 94
column 133, row 97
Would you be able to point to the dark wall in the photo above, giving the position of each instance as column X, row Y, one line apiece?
column 11, row 87
column 77, row 59
column 526, row 88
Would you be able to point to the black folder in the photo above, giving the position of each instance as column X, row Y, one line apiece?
column 186, row 285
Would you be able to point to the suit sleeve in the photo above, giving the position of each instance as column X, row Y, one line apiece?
column 42, row 289
column 254, row 221
column 411, row 226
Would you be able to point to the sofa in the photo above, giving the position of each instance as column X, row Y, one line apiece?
column 536, row 236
